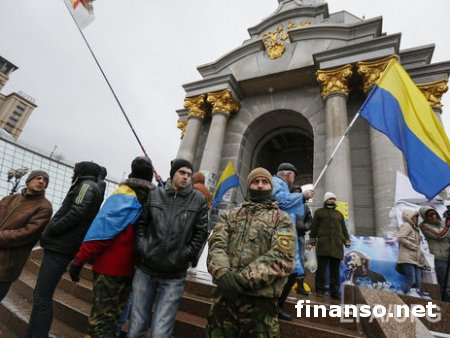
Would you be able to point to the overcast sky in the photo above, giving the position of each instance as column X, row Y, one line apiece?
column 148, row 49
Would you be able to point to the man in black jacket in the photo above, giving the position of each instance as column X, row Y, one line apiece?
column 61, row 240
column 169, row 235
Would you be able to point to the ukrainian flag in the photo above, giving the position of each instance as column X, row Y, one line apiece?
column 119, row 210
column 227, row 180
column 398, row 109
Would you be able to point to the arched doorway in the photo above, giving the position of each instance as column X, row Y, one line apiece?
column 286, row 145
column 276, row 137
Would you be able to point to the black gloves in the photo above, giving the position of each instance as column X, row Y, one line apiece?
column 229, row 286
column 74, row 271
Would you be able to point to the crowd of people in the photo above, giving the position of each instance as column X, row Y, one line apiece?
column 143, row 239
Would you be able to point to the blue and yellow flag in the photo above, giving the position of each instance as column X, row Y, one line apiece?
column 398, row 109
column 227, row 180
column 120, row 209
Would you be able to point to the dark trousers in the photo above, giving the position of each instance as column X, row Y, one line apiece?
column 323, row 264
column 4, row 288
column 53, row 266
column 287, row 288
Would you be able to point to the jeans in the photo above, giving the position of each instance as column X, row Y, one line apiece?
column 4, row 288
column 123, row 316
column 52, row 268
column 441, row 270
column 323, row 264
column 413, row 277
column 165, row 294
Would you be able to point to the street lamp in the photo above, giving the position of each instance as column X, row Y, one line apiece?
column 17, row 174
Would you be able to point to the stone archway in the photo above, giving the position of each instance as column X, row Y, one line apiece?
column 276, row 137
column 286, row 145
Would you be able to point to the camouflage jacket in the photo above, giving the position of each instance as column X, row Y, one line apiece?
column 258, row 241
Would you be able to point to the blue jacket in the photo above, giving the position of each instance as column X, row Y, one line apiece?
column 293, row 204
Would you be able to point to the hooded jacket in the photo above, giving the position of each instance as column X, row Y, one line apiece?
column 437, row 235
column 198, row 181
column 23, row 217
column 409, row 239
column 171, row 231
column 68, row 226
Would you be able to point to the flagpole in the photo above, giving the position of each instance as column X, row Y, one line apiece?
column 109, row 84
column 336, row 149
column 107, row 81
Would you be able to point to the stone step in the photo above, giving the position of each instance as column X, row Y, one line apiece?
column 66, row 306
column 441, row 324
column 194, row 307
column 15, row 313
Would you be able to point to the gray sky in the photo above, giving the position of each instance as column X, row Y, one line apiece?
column 149, row 49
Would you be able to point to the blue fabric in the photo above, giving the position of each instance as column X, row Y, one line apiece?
column 428, row 173
column 413, row 277
column 223, row 187
column 293, row 204
column 166, row 294
column 116, row 214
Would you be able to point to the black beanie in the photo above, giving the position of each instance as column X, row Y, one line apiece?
column 142, row 168
column 177, row 164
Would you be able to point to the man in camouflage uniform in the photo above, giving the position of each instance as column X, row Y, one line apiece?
column 251, row 254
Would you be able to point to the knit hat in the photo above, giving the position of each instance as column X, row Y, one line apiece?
column 177, row 164
column 142, row 168
column 288, row 166
column 36, row 173
column 259, row 172
column 328, row 195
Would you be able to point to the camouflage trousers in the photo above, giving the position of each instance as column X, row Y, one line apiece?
column 110, row 298
column 254, row 317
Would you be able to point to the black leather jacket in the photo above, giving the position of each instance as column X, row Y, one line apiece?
column 171, row 231
column 69, row 225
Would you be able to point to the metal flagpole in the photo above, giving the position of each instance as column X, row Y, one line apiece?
column 109, row 84
column 343, row 137
column 107, row 81
column 336, row 149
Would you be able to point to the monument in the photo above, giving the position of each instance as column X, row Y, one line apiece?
column 288, row 93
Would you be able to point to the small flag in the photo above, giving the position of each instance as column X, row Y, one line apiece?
column 398, row 109
column 227, row 180
column 82, row 11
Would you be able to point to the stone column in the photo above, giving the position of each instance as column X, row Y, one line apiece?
column 223, row 105
column 338, row 177
column 386, row 158
column 197, row 112
column 433, row 91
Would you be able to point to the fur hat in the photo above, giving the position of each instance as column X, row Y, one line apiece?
column 328, row 195
column 142, row 168
column 259, row 172
column 288, row 166
column 179, row 163
column 36, row 173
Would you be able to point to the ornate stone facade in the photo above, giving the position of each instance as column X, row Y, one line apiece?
column 296, row 83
